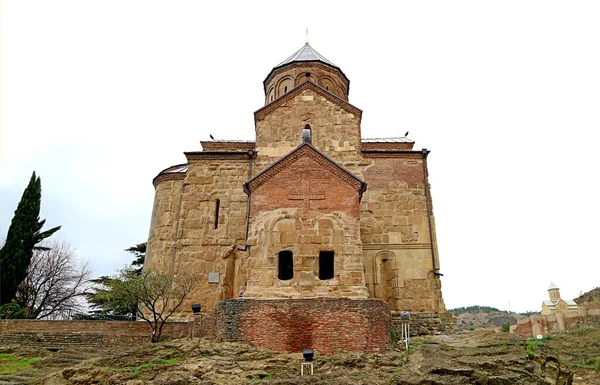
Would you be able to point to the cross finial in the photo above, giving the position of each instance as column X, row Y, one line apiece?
column 306, row 36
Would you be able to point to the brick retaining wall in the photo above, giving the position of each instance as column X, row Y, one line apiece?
column 84, row 333
column 292, row 325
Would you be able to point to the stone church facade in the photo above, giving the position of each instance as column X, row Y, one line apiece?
column 309, row 210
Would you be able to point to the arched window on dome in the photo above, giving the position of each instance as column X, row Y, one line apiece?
column 306, row 134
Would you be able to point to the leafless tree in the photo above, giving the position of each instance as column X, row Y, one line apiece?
column 56, row 283
column 153, row 295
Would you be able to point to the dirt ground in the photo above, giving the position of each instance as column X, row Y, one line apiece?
column 481, row 357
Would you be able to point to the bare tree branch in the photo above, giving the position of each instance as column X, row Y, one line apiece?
column 55, row 284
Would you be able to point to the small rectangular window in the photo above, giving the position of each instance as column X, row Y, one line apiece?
column 326, row 265
column 217, row 204
column 286, row 265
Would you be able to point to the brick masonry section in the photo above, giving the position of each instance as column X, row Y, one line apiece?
column 292, row 325
column 84, row 333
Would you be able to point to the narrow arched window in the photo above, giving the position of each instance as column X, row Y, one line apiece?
column 272, row 97
column 326, row 265
column 286, row 265
column 306, row 134
column 217, row 205
column 285, row 90
column 327, row 88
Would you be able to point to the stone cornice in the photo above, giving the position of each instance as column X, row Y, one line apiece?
column 216, row 155
column 387, row 146
column 227, row 145
column 307, row 85
column 396, row 246
column 308, row 150
column 369, row 154
column 169, row 176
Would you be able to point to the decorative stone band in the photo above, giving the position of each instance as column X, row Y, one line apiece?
column 307, row 85
column 321, row 324
column 392, row 154
column 396, row 246
column 327, row 68
column 305, row 149
column 170, row 176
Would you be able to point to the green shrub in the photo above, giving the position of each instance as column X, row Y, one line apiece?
column 395, row 336
column 12, row 311
column 534, row 343
column 506, row 327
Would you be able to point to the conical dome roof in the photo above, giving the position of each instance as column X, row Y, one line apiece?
column 306, row 53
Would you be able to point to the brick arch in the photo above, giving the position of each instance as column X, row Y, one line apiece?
column 285, row 81
column 302, row 78
column 329, row 84
column 270, row 95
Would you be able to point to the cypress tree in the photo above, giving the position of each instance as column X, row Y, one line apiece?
column 23, row 235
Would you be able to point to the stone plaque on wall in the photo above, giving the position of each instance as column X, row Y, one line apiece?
column 213, row 278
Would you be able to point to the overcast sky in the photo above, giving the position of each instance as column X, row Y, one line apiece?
column 99, row 96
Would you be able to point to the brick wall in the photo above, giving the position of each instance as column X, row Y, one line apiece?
column 205, row 324
column 322, row 324
column 84, row 333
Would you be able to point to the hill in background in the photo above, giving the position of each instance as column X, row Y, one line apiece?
column 480, row 317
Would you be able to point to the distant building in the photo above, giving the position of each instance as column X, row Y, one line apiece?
column 556, row 304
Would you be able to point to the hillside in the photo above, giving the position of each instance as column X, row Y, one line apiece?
column 480, row 317
column 591, row 298
column 482, row 357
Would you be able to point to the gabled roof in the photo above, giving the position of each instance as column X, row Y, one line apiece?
column 264, row 111
column 303, row 150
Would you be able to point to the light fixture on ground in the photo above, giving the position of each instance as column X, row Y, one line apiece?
column 405, row 325
column 196, row 310
column 309, row 355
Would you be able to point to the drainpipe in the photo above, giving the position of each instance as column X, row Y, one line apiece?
column 251, row 154
column 427, row 200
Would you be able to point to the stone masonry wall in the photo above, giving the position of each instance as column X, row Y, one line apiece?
column 323, row 324
column 295, row 74
column 335, row 131
column 539, row 324
column 161, row 246
column 204, row 245
column 305, row 212
column 84, row 333
column 396, row 236
column 426, row 323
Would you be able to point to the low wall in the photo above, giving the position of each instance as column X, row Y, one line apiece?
column 292, row 325
column 543, row 325
column 422, row 324
column 84, row 333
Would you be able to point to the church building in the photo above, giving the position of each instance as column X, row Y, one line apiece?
column 308, row 211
